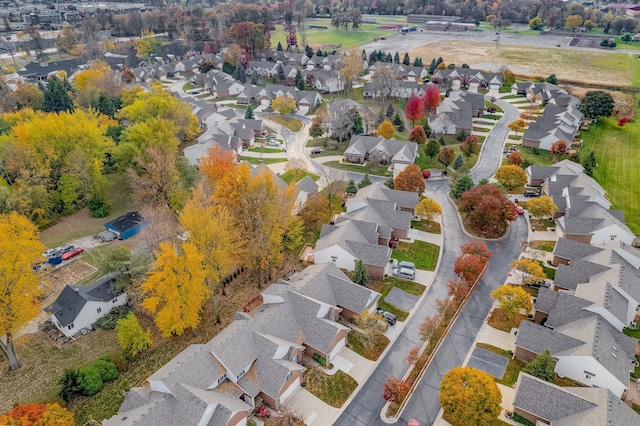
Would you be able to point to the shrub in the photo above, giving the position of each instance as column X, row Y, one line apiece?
column 109, row 321
column 88, row 380
column 121, row 362
column 67, row 384
column 320, row 359
column 108, row 370
column 97, row 207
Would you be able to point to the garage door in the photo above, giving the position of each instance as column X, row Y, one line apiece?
column 290, row 390
column 341, row 344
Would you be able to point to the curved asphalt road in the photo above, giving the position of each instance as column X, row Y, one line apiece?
column 364, row 409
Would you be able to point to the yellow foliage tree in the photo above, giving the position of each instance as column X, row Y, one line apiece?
column 350, row 67
column 541, row 206
column 372, row 324
column 19, row 282
column 386, row 129
column 513, row 299
column 511, row 176
column 132, row 338
column 531, row 270
column 147, row 44
column 210, row 228
column 573, row 22
column 518, row 125
column 469, row 397
column 284, row 105
column 429, row 208
column 175, row 290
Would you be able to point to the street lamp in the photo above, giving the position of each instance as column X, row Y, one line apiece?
column 516, row 28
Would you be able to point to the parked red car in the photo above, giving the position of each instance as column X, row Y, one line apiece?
column 519, row 209
column 73, row 253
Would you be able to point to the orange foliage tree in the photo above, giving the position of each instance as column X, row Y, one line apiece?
column 410, row 179
column 37, row 415
column 395, row 390
column 477, row 248
column 468, row 267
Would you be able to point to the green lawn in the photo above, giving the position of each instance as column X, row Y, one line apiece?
column 481, row 129
column 334, row 390
column 488, row 104
column 423, row 254
column 265, row 150
column 256, row 160
column 290, row 123
column 618, row 157
column 544, row 245
column 632, row 45
column 541, row 158
column 331, row 37
column 372, row 169
column 188, row 86
column 410, row 287
column 632, row 332
column 327, row 144
column 426, row 226
column 296, row 175
column 384, row 287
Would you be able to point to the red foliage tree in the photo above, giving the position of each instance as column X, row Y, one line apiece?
column 515, row 159
column 426, row 174
column 487, row 209
column 446, row 156
column 559, row 148
column 418, row 135
column 431, row 97
column 415, row 109
column 623, row 121
column 468, row 267
column 476, row 248
column 413, row 355
column 469, row 146
column 395, row 390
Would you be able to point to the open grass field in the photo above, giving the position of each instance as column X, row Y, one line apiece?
column 597, row 67
column 290, row 123
column 331, row 38
column 618, row 156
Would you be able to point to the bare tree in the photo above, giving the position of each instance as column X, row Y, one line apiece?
column 382, row 81
column 446, row 123
column 341, row 123
column 333, row 181
column 162, row 223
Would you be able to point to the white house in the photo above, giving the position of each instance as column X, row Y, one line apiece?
column 78, row 307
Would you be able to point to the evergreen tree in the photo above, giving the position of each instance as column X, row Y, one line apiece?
column 365, row 181
column 397, row 120
column 352, row 188
column 433, row 66
column 459, row 162
column 442, row 141
column 281, row 74
column 461, row 136
column 461, row 184
column 227, row 68
column 380, row 117
column 417, row 62
column 373, row 57
column 406, row 60
column 301, row 84
column 396, row 58
column 360, row 275
column 298, row 77
column 56, row 97
column 427, row 129
column 319, row 52
column 439, row 61
column 249, row 114
column 390, row 110
column 254, row 79
column 389, row 57
column 308, row 51
column 364, row 55
column 240, row 74
column 279, row 48
column 542, row 366
column 104, row 105
column 390, row 182
column 357, row 129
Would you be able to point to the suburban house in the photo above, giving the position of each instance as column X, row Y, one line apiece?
column 385, row 213
column 77, row 307
column 218, row 83
column 585, row 338
column 399, row 89
column 405, row 201
column 249, row 95
column 583, row 208
column 127, row 225
column 323, row 81
column 40, row 71
column 254, row 360
column 401, row 71
column 305, row 99
column 466, row 77
column 346, row 241
column 456, row 113
column 397, row 154
column 262, row 68
column 306, row 187
column 544, row 403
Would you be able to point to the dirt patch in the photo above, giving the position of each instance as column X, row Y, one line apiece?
column 596, row 67
column 70, row 273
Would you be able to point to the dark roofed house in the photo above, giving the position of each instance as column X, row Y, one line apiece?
column 544, row 403
column 77, row 307
column 127, row 225
column 566, row 250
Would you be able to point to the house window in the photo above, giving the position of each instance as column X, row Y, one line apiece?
column 295, row 358
column 334, row 258
column 221, row 379
column 588, row 375
column 99, row 310
column 289, row 374
column 70, row 326
column 333, row 318
column 240, row 375
column 114, row 300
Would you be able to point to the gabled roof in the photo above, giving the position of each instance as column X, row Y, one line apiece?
column 536, row 338
column 72, row 299
column 358, row 238
column 568, row 308
column 379, row 191
column 572, row 249
column 548, row 401
column 382, row 212
column 577, row 272
column 307, row 184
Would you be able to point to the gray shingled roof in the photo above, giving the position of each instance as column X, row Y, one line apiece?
column 379, row 191
column 568, row 308
column 546, row 300
column 536, row 338
column 577, row 272
column 572, row 249
column 383, row 213
column 546, row 400
column 72, row 299
column 193, row 366
column 308, row 185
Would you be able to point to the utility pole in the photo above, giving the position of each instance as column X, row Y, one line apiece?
column 496, row 54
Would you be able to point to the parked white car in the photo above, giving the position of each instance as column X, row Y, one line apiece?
column 272, row 142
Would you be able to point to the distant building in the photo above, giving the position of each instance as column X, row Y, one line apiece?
column 127, row 225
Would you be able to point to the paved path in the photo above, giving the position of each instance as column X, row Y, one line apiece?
column 364, row 409
column 491, row 154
